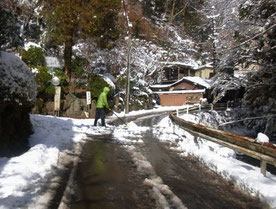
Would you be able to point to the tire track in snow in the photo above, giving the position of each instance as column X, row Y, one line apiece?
column 162, row 194
column 164, row 197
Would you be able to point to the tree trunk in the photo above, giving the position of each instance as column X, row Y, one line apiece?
column 166, row 8
column 172, row 13
column 67, row 59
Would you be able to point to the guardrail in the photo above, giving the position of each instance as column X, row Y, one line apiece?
column 265, row 152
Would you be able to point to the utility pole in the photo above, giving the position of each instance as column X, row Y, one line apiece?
column 128, row 74
column 128, row 59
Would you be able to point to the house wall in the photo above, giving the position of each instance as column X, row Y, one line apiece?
column 185, row 85
column 176, row 72
column 179, row 99
column 204, row 73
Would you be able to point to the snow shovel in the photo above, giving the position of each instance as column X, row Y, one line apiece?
column 120, row 118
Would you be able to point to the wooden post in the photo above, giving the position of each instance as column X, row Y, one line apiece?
column 88, row 101
column 196, row 140
column 177, row 112
column 88, row 110
column 187, row 110
column 263, row 167
column 57, row 100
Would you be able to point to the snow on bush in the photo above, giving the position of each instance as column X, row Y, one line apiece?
column 17, row 82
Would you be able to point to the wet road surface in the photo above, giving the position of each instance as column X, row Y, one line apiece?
column 107, row 177
column 196, row 185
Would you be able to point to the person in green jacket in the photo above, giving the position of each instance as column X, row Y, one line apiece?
column 101, row 104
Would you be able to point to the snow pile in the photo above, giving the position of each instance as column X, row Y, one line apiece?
column 24, row 174
column 22, row 178
column 142, row 164
column 262, row 138
column 161, row 191
column 17, row 81
column 132, row 126
column 130, row 133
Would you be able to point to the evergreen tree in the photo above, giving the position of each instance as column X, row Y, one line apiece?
column 27, row 15
column 184, row 13
column 9, row 30
column 70, row 20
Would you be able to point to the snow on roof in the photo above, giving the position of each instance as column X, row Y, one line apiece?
column 193, row 79
column 180, row 92
column 197, row 80
column 190, row 63
column 208, row 65
column 160, row 85
column 177, row 63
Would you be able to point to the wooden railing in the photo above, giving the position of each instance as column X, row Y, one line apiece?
column 265, row 152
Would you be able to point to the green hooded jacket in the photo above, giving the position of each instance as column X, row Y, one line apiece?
column 102, row 100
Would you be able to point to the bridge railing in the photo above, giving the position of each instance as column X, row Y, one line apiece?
column 265, row 152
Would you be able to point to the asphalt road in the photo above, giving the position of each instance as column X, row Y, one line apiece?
column 108, row 176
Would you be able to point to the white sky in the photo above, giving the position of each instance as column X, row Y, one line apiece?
column 22, row 178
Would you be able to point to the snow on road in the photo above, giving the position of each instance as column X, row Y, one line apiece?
column 22, row 178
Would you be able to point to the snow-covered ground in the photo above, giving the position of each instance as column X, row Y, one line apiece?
column 22, row 178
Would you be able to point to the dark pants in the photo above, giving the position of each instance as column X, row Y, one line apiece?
column 99, row 114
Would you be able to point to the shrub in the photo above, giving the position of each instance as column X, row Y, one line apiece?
column 78, row 66
column 34, row 56
column 96, row 84
column 43, row 79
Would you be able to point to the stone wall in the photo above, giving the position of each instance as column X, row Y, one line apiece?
column 71, row 106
